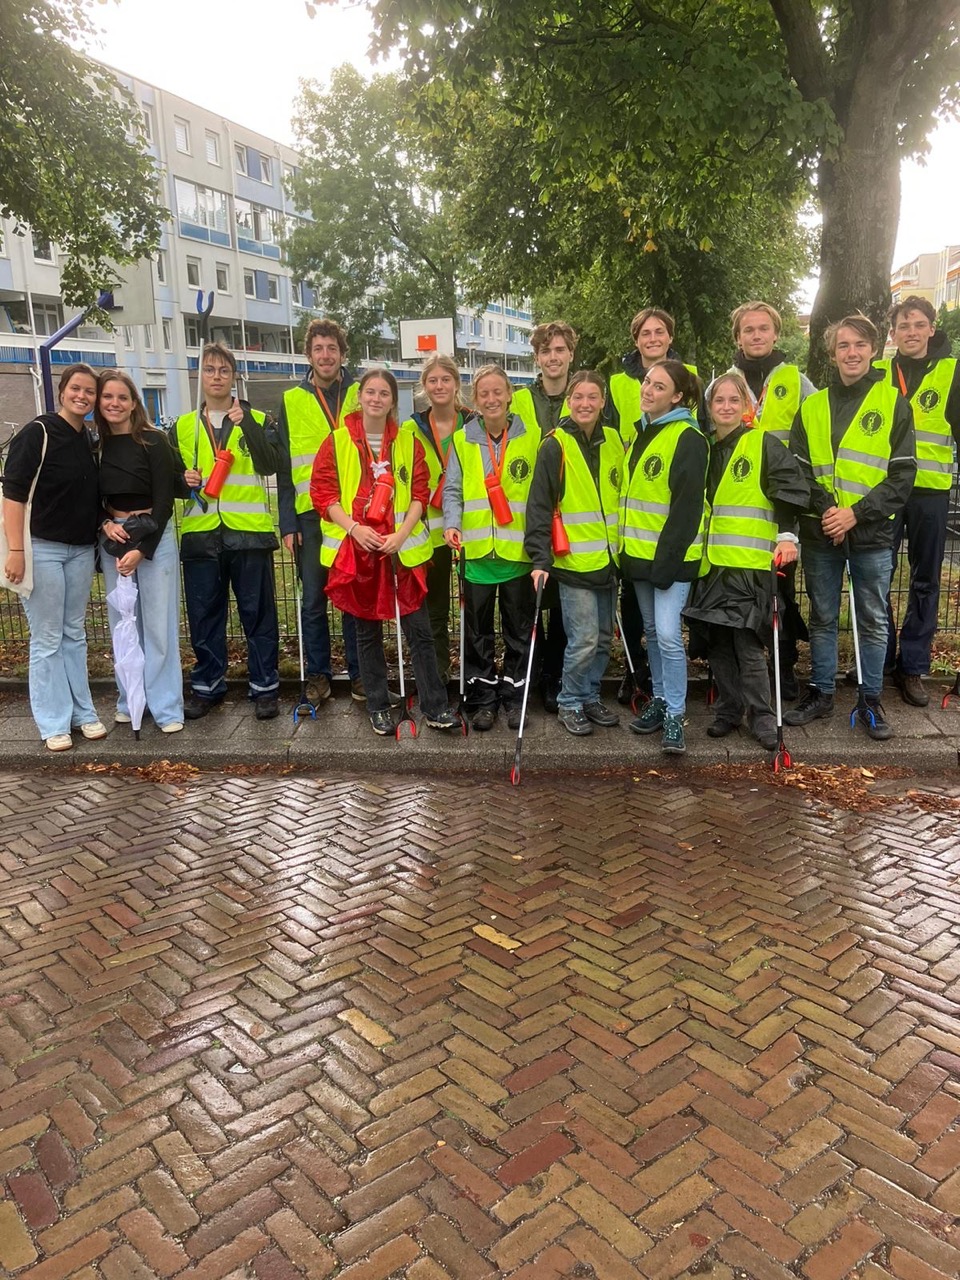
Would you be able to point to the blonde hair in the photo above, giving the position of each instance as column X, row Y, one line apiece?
column 736, row 317
column 738, row 380
column 486, row 371
column 860, row 324
column 440, row 361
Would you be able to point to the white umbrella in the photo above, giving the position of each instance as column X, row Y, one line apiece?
column 127, row 650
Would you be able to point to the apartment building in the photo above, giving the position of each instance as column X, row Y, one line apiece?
column 224, row 186
column 934, row 276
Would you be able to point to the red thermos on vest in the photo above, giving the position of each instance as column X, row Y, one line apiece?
column 223, row 461
column 499, row 502
column 558, row 536
column 381, row 497
column 436, row 500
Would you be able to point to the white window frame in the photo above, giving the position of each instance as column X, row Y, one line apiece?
column 240, row 158
column 166, row 331
column 49, row 257
column 148, row 340
column 195, row 265
column 273, row 288
column 249, row 278
column 223, row 269
column 161, row 261
column 146, row 115
column 266, row 169
column 181, row 131
column 211, row 147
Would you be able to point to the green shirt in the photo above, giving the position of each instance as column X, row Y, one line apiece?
column 491, row 569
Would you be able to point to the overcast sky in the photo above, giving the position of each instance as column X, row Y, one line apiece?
column 246, row 61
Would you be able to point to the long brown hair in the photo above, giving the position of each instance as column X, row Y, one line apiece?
column 140, row 424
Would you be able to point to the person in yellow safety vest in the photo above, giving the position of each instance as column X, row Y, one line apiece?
column 577, row 478
column 661, row 535
column 489, row 471
column 369, row 485
column 755, row 493
column 777, row 389
column 434, row 427
column 925, row 372
column 542, row 406
column 231, row 544
column 652, row 331
column 856, row 447
column 308, row 413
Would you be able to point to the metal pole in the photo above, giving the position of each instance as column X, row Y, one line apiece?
column 105, row 300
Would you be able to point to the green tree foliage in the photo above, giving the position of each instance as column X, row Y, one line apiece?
column 684, row 112
column 949, row 322
column 378, row 240
column 71, row 158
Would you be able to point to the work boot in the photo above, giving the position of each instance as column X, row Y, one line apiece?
column 874, row 721
column 814, row 705
column 318, row 689
column 513, row 717
column 266, row 707
column 651, row 718
column 597, row 713
column 357, row 691
column 483, row 719
column 720, row 727
column 574, row 721
column 672, row 741
column 195, row 707
column 911, row 689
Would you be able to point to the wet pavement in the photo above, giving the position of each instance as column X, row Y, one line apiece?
column 265, row 1027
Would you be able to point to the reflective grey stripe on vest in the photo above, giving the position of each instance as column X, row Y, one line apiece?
column 414, row 539
column 825, row 470
column 583, row 517
column 854, row 486
column 435, row 520
column 929, row 464
column 302, row 460
column 302, row 486
column 741, row 540
column 502, row 533
column 328, row 541
column 476, row 504
column 779, row 433
column 247, row 480
column 868, row 459
column 934, row 437
column 577, row 547
column 642, row 535
column 243, row 508
column 650, row 508
column 744, row 513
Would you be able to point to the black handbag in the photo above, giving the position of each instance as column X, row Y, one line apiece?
column 138, row 527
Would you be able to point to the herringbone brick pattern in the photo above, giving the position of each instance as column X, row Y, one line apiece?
column 269, row 1028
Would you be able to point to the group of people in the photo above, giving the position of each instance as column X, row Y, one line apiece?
column 569, row 504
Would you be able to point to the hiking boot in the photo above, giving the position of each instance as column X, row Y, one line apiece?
column 911, row 689
column 483, row 719
column 513, row 717
column 672, row 741
column 574, row 721
column 721, row 728
column 382, row 722
column 447, row 719
column 318, row 689
column 266, row 707
column 651, row 718
column 874, row 721
column 549, row 693
column 195, row 707
column 814, row 705
column 597, row 713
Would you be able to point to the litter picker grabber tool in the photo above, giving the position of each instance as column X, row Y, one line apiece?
column 203, row 326
column 461, row 587
column 861, row 696
column 782, row 759
column 515, row 769
column 405, row 716
column 638, row 697
column 304, row 707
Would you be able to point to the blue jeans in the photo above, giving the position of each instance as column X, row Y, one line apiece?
column 207, row 584
column 59, row 686
column 158, row 622
column 588, row 623
column 313, row 608
column 823, row 574
column 661, row 612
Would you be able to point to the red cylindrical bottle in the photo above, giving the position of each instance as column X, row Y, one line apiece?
column 223, row 461
column 381, row 497
column 437, row 500
column 558, row 536
column 499, row 502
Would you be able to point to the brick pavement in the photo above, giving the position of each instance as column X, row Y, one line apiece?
column 261, row 1028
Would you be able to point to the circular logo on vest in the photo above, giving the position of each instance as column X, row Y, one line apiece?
column 870, row 423
column 403, row 475
column 652, row 466
column 741, row 469
column 243, row 447
column 613, row 475
column 928, row 399
column 519, row 469
column 780, row 392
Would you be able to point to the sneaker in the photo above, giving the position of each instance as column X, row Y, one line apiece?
column 483, row 719
column 911, row 689
column 672, row 741
column 266, row 707
column 597, row 713
column 174, row 726
column 651, row 718
column 513, row 717
column 59, row 742
column 93, row 731
column 549, row 693
column 447, row 719
column 721, row 728
column 874, row 721
column 382, row 722
column 574, row 721
column 357, row 691
column 121, row 717
column 318, row 689
column 195, row 707
column 814, row 705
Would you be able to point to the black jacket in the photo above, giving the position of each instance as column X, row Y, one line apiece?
column 66, row 502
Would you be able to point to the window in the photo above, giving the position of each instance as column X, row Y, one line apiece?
column 181, row 133
column 193, row 273
column 42, row 249
column 47, row 318
column 223, row 278
column 240, row 158
column 266, row 169
column 213, row 147
column 249, row 285
column 127, row 337
column 273, row 288
column 161, row 267
column 201, row 206
column 289, row 173
column 489, row 328
column 146, row 113
column 148, row 337
column 191, row 331
column 166, row 328
column 257, row 222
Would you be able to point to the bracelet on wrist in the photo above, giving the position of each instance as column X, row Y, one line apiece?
column 351, row 529
column 15, row 550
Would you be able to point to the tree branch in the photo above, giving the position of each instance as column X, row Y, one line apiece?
column 806, row 56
